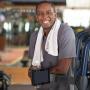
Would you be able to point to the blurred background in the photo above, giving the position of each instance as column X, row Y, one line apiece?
column 17, row 22
column 17, row 18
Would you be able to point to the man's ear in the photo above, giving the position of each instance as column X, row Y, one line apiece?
column 55, row 15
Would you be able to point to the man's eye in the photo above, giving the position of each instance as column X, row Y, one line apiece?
column 39, row 14
column 49, row 13
column 46, row 13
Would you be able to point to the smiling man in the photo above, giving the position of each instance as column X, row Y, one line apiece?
column 52, row 47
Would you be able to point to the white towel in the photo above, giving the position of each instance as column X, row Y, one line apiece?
column 51, row 45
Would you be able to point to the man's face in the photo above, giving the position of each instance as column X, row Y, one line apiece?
column 46, row 15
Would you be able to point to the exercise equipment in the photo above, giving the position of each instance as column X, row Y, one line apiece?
column 4, row 81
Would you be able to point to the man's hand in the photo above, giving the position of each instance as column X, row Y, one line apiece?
column 30, row 70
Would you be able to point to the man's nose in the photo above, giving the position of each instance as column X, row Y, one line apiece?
column 45, row 16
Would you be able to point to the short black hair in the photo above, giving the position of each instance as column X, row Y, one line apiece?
column 45, row 1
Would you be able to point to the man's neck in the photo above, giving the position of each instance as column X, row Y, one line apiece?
column 46, row 32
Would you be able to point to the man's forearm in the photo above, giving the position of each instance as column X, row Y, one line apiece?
column 62, row 66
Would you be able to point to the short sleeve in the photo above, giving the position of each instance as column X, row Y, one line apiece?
column 66, row 42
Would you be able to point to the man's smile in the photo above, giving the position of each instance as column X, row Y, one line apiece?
column 45, row 22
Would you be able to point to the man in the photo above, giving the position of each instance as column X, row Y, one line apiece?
column 53, row 46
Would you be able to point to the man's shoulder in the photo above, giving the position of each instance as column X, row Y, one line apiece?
column 64, row 28
column 34, row 33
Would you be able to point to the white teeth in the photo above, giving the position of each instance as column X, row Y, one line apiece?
column 45, row 22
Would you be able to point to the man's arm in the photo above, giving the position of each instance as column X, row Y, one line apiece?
column 62, row 67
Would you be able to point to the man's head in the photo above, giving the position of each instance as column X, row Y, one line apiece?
column 45, row 14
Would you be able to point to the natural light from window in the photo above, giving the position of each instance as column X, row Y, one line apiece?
column 77, row 17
